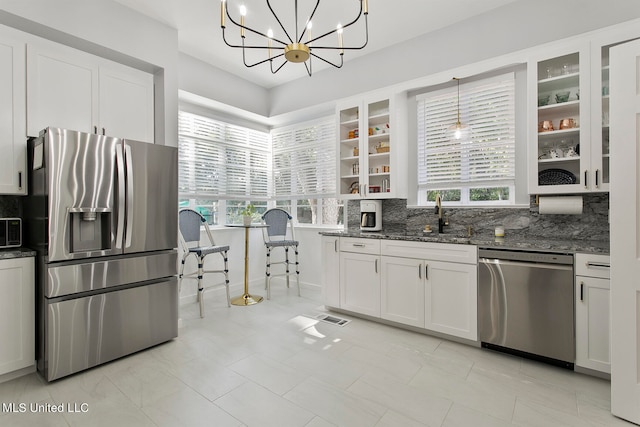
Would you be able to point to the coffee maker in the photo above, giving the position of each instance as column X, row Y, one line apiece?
column 371, row 215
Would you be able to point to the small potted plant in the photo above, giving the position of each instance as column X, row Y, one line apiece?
column 247, row 214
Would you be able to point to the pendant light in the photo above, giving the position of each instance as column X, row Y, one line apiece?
column 458, row 130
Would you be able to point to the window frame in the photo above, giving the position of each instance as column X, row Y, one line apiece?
column 518, row 189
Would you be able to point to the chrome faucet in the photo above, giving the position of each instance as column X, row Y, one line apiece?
column 441, row 222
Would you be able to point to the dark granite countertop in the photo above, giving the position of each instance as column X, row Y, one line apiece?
column 508, row 242
column 16, row 253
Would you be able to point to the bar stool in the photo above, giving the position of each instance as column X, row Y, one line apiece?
column 189, row 222
column 275, row 236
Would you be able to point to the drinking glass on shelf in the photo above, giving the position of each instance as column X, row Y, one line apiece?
column 549, row 72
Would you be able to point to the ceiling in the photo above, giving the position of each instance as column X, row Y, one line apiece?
column 390, row 22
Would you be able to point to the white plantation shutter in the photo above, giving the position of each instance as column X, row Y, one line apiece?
column 485, row 156
column 222, row 161
column 304, row 162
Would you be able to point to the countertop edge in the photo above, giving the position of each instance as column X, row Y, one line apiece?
column 506, row 243
column 12, row 253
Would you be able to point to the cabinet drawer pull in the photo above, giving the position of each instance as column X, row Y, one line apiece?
column 581, row 291
column 358, row 245
column 598, row 265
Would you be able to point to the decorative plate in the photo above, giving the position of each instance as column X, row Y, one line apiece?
column 556, row 177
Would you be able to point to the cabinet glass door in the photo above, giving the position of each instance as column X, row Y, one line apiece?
column 602, row 176
column 558, row 114
column 349, row 151
column 378, row 148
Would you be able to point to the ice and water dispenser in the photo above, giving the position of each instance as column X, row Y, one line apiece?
column 371, row 215
column 90, row 229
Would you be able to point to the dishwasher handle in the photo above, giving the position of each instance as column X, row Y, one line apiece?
column 525, row 264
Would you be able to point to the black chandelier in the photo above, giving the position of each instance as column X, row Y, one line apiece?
column 293, row 49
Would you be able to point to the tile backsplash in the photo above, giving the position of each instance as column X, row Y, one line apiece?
column 592, row 224
column 10, row 207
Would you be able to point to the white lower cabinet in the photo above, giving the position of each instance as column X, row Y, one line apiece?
column 451, row 299
column 17, row 314
column 331, row 270
column 360, row 283
column 425, row 285
column 593, row 313
column 402, row 287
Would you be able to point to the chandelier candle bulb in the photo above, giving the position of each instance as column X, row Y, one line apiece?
column 340, row 39
column 222, row 13
column 243, row 12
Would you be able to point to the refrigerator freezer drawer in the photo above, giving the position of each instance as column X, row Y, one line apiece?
column 73, row 278
column 85, row 332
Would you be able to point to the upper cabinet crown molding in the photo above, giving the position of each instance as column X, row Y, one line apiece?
column 72, row 89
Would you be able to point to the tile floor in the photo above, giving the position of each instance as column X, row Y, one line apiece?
column 270, row 365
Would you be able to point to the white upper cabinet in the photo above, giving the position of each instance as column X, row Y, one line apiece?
column 371, row 148
column 126, row 103
column 75, row 90
column 559, row 89
column 569, row 138
column 13, row 138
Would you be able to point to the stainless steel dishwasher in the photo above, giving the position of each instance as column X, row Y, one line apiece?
column 526, row 304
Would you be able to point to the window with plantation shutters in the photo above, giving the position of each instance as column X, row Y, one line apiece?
column 218, row 160
column 304, row 162
column 479, row 167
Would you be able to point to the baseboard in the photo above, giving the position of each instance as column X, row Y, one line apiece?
column 19, row 373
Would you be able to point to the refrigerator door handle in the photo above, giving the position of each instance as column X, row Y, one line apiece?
column 121, row 196
column 128, row 163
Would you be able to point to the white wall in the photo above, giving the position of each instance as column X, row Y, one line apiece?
column 309, row 258
column 110, row 30
column 507, row 29
column 200, row 78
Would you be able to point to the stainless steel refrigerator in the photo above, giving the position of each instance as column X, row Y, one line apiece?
column 102, row 215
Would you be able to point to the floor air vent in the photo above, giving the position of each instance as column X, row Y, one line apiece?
column 332, row 319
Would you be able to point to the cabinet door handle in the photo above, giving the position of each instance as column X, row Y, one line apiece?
column 581, row 291
column 376, row 265
column 597, row 180
column 420, row 271
column 103, row 131
column 95, row 129
column 335, row 245
column 426, row 271
column 598, row 265
column 20, row 180
column 586, row 174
